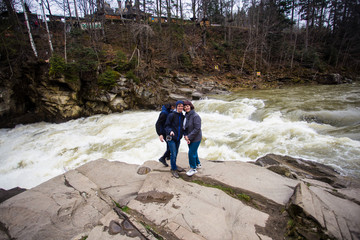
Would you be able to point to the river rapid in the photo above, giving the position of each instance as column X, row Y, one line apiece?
column 317, row 123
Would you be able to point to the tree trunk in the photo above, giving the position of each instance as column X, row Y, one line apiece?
column 292, row 16
column 181, row 13
column 50, row 14
column 204, row 30
column 256, row 41
column 65, row 54
column 100, row 16
column 68, row 4
column 294, row 48
column 47, row 27
column 29, row 29
column 168, row 10
column 76, row 12
column 312, row 13
column 137, row 7
column 158, row 9
column 307, row 26
column 177, row 9
column 246, row 49
column 321, row 18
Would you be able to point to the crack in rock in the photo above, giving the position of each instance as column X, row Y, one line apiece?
column 125, row 227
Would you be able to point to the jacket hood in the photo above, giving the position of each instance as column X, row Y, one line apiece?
column 165, row 110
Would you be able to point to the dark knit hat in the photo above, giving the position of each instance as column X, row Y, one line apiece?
column 169, row 105
column 179, row 102
column 189, row 103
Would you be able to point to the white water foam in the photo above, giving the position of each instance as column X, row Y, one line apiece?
column 31, row 154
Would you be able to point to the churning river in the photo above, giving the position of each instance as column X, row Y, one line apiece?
column 318, row 123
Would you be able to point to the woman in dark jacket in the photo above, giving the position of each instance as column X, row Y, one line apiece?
column 160, row 129
column 193, row 136
column 174, row 129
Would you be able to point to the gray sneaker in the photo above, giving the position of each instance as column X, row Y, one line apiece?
column 199, row 165
column 175, row 174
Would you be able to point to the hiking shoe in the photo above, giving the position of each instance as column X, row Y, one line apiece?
column 191, row 172
column 180, row 169
column 199, row 166
column 174, row 173
column 162, row 160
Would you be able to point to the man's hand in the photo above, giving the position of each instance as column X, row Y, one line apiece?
column 161, row 138
column 172, row 133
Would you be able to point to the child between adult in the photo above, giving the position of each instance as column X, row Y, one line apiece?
column 174, row 129
column 193, row 136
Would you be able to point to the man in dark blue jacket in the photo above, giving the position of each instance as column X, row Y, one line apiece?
column 160, row 129
column 174, row 128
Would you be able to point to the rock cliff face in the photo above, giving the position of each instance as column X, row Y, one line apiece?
column 276, row 198
column 38, row 97
column 33, row 96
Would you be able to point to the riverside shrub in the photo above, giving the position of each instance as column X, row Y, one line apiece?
column 131, row 75
column 108, row 78
column 57, row 66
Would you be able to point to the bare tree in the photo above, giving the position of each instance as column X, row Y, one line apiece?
column 193, row 9
column 68, row 4
column 65, row 43
column 76, row 12
column 29, row 29
column 137, row 10
column 48, row 8
column 168, row 10
column 158, row 11
column 294, row 45
column 46, row 25
column 181, row 11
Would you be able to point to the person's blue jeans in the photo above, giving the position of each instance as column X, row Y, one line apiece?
column 193, row 154
column 174, row 148
column 167, row 152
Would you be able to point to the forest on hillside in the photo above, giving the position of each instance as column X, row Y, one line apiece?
column 214, row 36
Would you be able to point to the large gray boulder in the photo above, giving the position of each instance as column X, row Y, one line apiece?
column 339, row 216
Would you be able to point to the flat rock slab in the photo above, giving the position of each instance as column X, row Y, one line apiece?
column 117, row 180
column 246, row 176
column 71, row 203
column 191, row 211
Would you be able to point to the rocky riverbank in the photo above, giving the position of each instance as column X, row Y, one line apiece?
column 278, row 197
column 41, row 98
column 36, row 97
